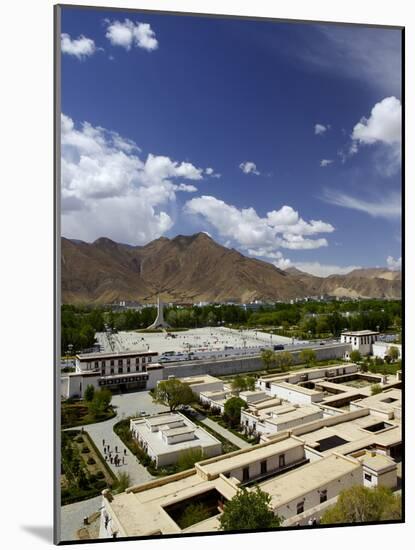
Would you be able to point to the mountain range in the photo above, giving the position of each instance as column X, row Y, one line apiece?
column 196, row 268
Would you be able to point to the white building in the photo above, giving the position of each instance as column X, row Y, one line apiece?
column 381, row 349
column 360, row 340
column 165, row 437
column 125, row 371
column 295, row 394
column 278, row 418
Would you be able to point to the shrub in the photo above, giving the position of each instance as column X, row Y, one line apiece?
column 90, row 460
column 79, row 439
column 85, row 449
column 100, row 474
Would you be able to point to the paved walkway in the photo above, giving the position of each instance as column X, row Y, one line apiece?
column 72, row 516
column 129, row 404
column 240, row 443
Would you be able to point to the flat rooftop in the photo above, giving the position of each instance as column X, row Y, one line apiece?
column 296, row 388
column 288, row 374
column 287, row 487
column 167, row 427
column 376, row 462
column 214, row 467
column 359, row 333
column 385, row 402
column 201, row 379
column 300, row 412
column 100, row 356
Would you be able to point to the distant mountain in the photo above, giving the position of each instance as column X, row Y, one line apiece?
column 195, row 268
column 359, row 283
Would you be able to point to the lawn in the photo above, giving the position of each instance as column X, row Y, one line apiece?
column 84, row 473
column 76, row 413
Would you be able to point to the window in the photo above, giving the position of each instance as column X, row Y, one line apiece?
column 102, row 371
column 368, row 477
column 137, row 368
column 111, row 370
column 96, row 364
column 128, row 361
column 137, row 360
column 263, row 467
column 300, row 507
column 102, row 364
column 245, row 474
column 281, row 461
column 120, row 362
column 119, row 370
column 323, row 495
column 112, row 362
column 144, row 368
column 128, row 369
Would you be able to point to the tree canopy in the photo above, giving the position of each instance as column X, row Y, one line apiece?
column 232, row 410
column 248, row 510
column 308, row 356
column 173, row 393
column 359, row 504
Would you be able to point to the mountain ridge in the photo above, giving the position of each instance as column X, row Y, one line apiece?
column 194, row 268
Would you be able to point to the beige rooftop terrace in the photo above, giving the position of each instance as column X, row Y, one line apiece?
column 299, row 482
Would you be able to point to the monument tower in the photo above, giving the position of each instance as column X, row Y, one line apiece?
column 159, row 322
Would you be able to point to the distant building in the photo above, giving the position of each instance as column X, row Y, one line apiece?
column 360, row 340
column 124, row 371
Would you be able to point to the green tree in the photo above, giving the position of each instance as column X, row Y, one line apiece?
column 89, row 393
column 232, row 410
column 360, row 503
column 194, row 513
column 173, row 393
column 355, row 356
column 283, row 360
column 250, row 382
column 248, row 510
column 375, row 389
column 268, row 358
column 123, row 482
column 308, row 356
column 238, row 384
column 393, row 353
column 100, row 403
column 188, row 459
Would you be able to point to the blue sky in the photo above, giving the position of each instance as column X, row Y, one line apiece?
column 252, row 131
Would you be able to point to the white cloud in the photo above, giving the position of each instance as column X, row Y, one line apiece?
column 394, row 264
column 282, row 228
column 108, row 190
column 80, row 47
column 383, row 125
column 127, row 34
column 249, row 167
column 325, row 162
column 210, row 172
column 372, row 56
column 387, row 206
column 320, row 129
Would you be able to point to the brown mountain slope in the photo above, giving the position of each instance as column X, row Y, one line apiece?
column 196, row 268
column 360, row 283
column 186, row 268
